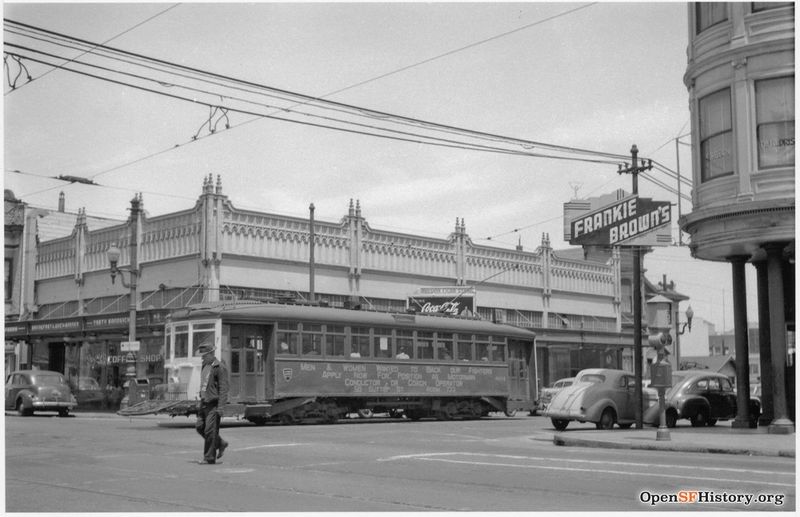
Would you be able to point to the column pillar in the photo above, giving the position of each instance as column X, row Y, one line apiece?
column 777, row 324
column 764, row 347
column 740, row 336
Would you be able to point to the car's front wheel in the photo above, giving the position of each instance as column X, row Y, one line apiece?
column 63, row 412
column 559, row 424
column 606, row 419
column 22, row 410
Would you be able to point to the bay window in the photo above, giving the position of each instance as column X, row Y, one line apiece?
column 775, row 122
column 716, row 135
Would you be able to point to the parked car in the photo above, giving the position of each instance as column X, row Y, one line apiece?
column 599, row 395
column 704, row 398
column 546, row 394
column 89, row 393
column 38, row 390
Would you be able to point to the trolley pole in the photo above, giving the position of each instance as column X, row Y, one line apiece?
column 634, row 171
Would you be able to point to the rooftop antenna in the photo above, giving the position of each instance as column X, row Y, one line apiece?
column 575, row 187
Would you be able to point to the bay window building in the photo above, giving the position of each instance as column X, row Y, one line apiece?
column 740, row 77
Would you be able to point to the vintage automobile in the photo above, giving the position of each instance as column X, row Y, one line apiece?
column 89, row 394
column 704, row 398
column 38, row 390
column 546, row 394
column 599, row 395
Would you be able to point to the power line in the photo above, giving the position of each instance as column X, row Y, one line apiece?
column 103, row 43
column 329, row 104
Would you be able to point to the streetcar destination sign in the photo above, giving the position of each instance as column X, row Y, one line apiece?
column 622, row 221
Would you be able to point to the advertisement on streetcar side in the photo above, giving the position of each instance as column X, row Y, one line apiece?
column 300, row 378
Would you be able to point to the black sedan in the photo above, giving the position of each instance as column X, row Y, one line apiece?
column 703, row 398
column 38, row 390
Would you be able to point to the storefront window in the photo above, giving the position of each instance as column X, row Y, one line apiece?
column 709, row 14
column 775, row 122
column 716, row 135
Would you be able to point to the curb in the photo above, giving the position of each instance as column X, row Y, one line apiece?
column 666, row 446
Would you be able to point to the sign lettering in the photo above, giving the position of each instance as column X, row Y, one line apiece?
column 346, row 378
column 615, row 224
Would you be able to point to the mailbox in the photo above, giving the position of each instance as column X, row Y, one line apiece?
column 661, row 375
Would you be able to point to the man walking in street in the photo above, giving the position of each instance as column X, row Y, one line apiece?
column 213, row 396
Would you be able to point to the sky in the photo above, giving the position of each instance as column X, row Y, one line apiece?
column 594, row 76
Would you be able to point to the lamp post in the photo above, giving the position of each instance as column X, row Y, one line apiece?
column 113, row 253
column 679, row 332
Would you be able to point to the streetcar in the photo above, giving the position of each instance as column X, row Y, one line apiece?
column 295, row 363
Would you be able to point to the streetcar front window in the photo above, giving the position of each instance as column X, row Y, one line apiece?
column 202, row 334
column 181, row 341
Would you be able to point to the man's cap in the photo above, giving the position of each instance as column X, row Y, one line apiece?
column 205, row 348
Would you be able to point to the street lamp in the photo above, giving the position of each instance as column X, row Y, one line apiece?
column 113, row 253
column 678, row 333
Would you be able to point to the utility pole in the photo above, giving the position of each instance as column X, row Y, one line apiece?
column 311, row 264
column 634, row 171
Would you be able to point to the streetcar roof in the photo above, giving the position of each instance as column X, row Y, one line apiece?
column 250, row 312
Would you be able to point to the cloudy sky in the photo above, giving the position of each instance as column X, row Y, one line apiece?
column 597, row 77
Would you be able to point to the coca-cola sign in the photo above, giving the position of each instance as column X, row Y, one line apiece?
column 454, row 301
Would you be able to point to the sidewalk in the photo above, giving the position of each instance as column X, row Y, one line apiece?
column 721, row 438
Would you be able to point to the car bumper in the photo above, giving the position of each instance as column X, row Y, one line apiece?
column 51, row 404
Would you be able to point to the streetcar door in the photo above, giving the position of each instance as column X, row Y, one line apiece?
column 248, row 354
column 518, row 373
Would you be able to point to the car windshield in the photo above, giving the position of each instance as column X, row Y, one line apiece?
column 594, row 378
column 47, row 379
column 88, row 384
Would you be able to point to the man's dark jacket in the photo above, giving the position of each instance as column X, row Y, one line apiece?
column 217, row 388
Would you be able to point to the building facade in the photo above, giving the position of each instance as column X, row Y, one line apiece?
column 740, row 77
column 78, row 320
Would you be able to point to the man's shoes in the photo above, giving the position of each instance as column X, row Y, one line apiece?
column 206, row 462
column 221, row 449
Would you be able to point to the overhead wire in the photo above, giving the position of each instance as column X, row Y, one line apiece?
column 382, row 115
column 104, row 42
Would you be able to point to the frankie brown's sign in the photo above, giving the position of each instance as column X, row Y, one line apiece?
column 621, row 222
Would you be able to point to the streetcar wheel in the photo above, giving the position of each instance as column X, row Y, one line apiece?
column 559, row 424
column 510, row 412
column 64, row 412
column 286, row 419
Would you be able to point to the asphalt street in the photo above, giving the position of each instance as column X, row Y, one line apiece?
column 94, row 462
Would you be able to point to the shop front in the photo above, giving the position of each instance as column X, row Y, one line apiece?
column 88, row 351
